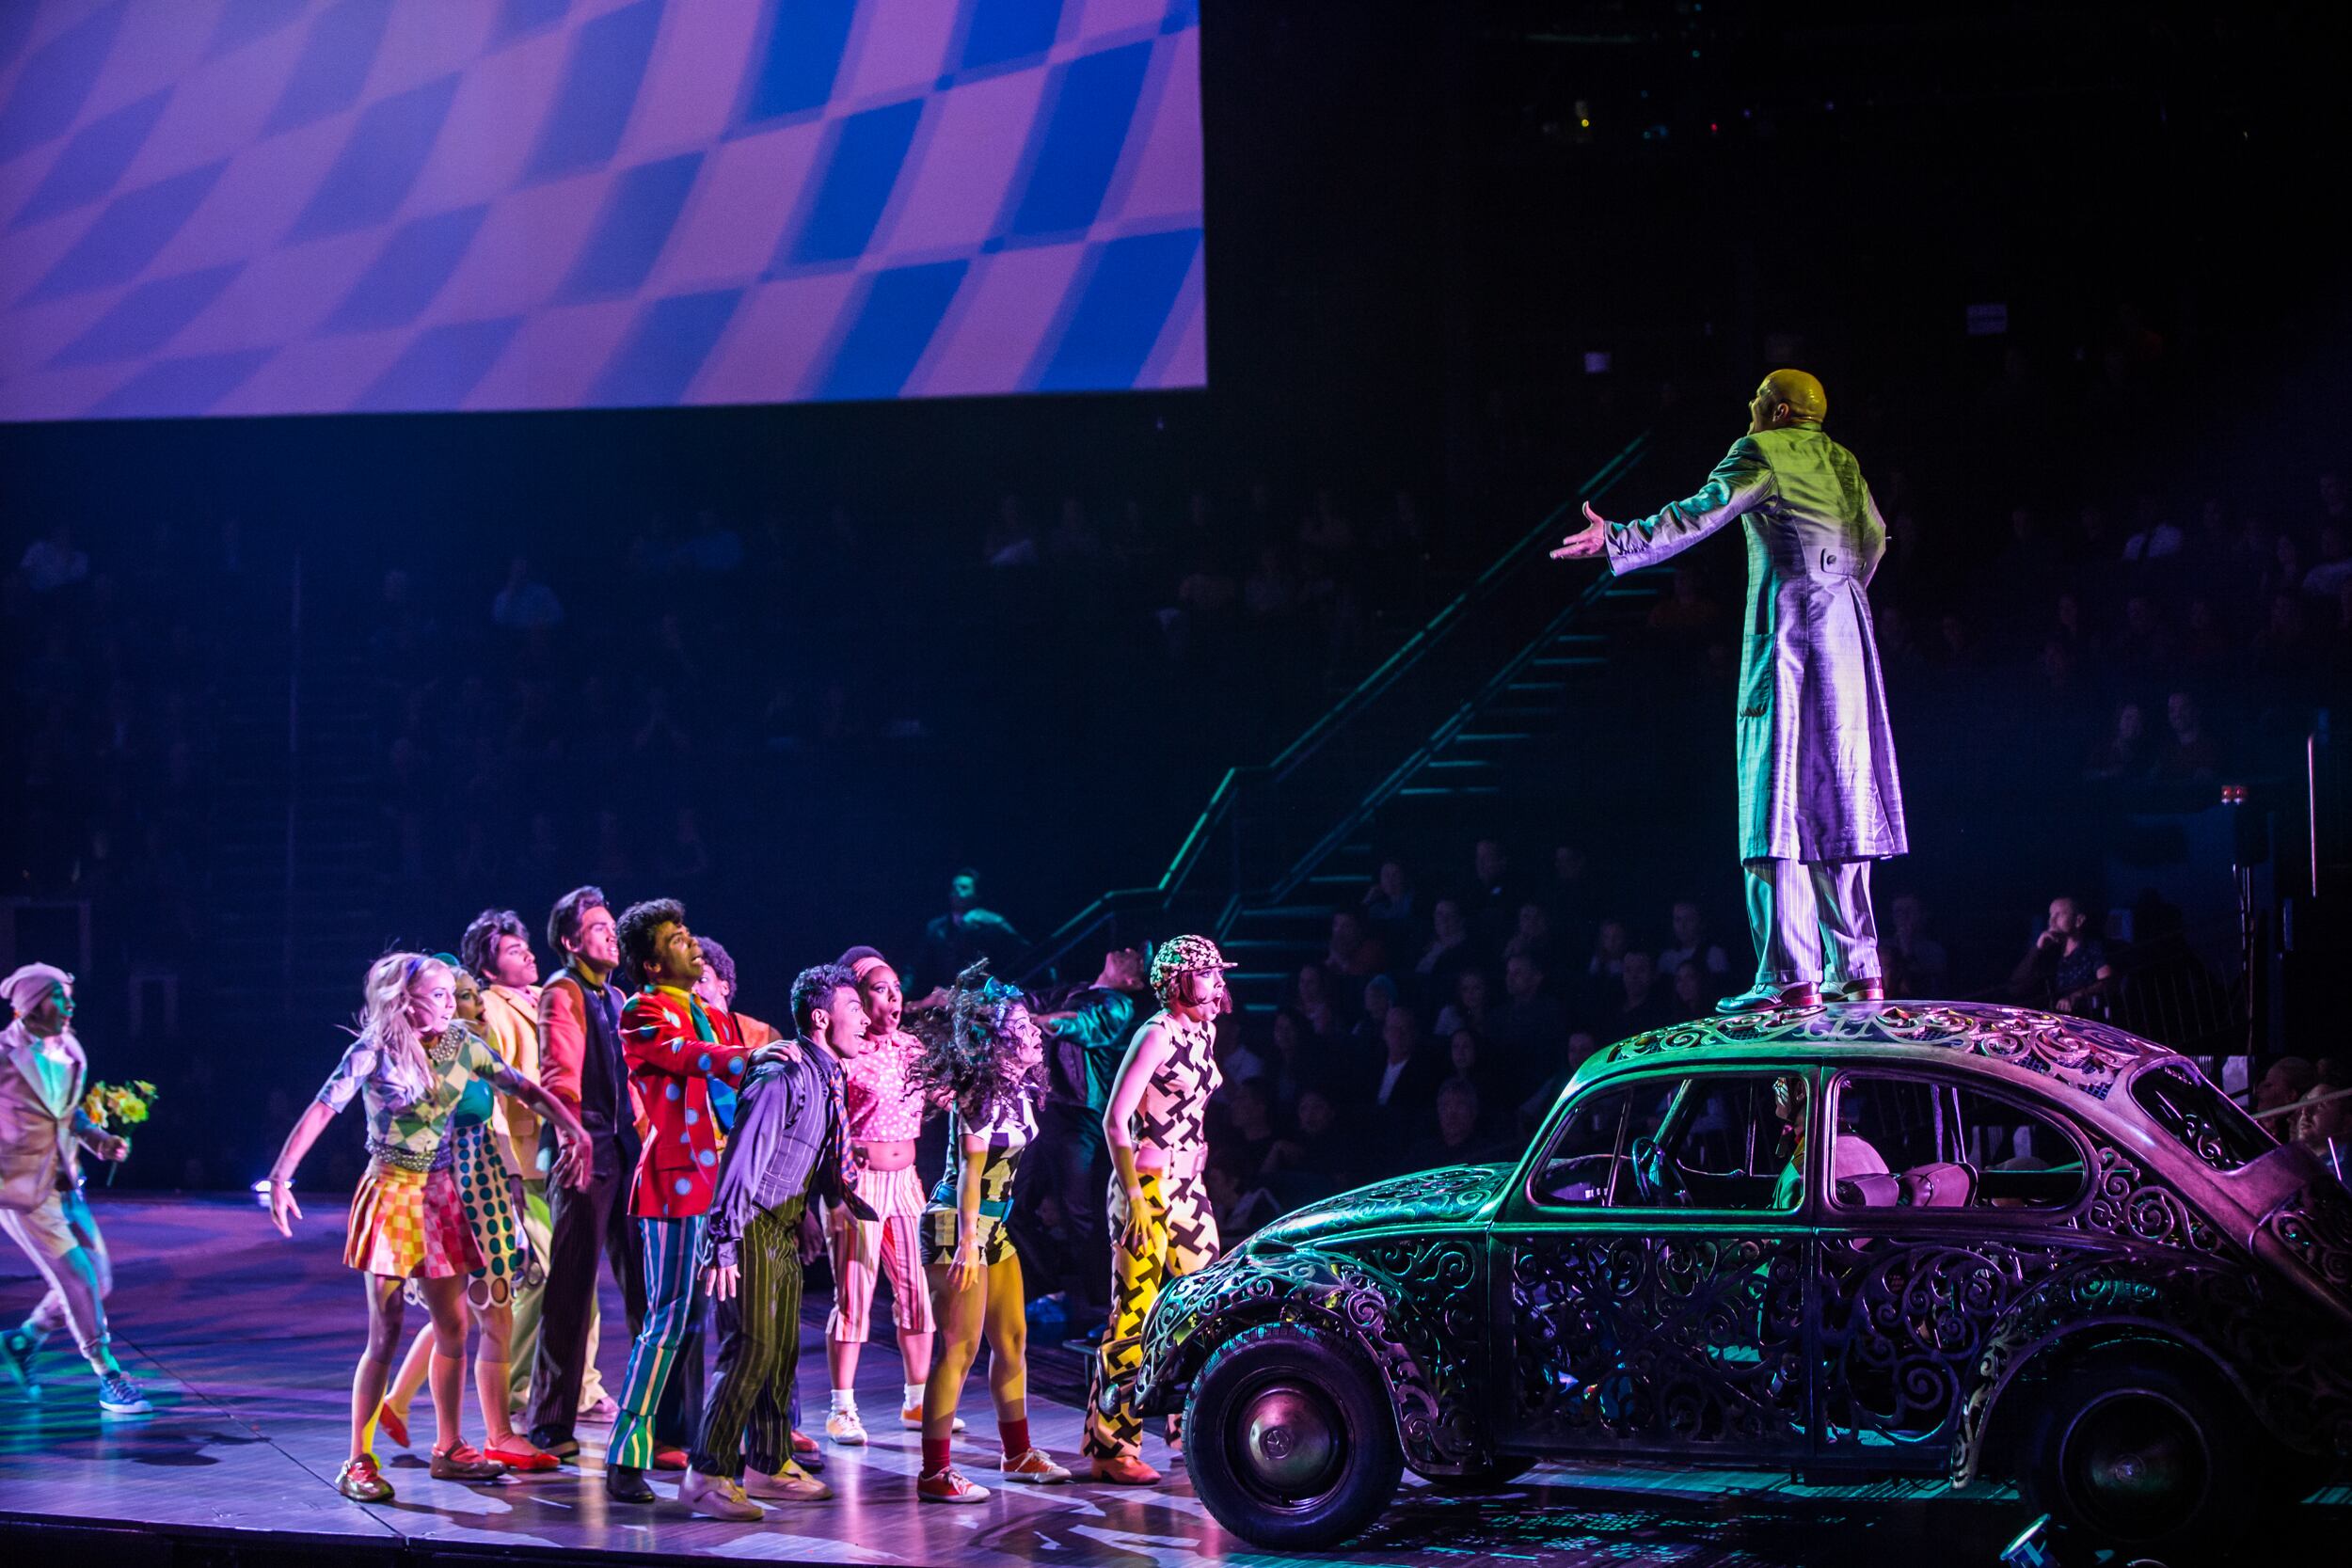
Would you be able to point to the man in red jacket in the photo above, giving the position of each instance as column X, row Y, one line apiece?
column 676, row 1058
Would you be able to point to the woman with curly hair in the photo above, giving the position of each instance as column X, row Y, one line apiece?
column 411, row 1065
column 509, row 1265
column 981, row 1052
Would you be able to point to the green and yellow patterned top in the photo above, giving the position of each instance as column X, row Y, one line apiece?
column 409, row 1137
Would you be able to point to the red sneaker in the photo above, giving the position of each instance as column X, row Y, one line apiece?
column 946, row 1486
column 668, row 1459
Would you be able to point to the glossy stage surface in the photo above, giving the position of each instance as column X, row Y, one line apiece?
column 246, row 1343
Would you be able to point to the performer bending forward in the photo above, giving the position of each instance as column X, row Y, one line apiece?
column 1818, row 799
column 982, row 1058
column 1159, row 1209
column 413, row 1064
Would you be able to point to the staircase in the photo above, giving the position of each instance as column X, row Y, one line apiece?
column 1437, row 725
column 1473, row 754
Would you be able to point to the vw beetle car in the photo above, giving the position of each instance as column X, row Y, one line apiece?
column 1868, row 1238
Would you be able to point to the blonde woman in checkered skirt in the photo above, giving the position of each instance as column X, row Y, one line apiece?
column 410, row 1065
column 508, row 1264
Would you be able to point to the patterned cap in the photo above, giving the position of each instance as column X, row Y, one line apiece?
column 1183, row 956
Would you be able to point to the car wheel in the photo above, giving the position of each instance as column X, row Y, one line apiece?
column 1289, row 1438
column 2138, row 1455
column 1487, row 1477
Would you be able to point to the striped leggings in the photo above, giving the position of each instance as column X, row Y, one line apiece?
column 673, row 1301
column 749, row 1414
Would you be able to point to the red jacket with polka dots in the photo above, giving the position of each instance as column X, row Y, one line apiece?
column 674, row 1054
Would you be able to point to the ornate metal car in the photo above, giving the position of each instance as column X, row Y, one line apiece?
column 1866, row 1237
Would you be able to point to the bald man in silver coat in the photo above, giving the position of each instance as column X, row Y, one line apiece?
column 1818, row 795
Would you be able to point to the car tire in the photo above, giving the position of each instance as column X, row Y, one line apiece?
column 1290, row 1439
column 2140, row 1455
column 1487, row 1477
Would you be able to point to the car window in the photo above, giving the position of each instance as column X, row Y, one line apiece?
column 1703, row 1142
column 2185, row 1103
column 1930, row 1143
column 1585, row 1167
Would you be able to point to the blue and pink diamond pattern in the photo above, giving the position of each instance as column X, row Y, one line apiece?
column 244, row 207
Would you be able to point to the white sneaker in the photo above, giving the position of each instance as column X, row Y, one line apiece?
column 1035, row 1466
column 844, row 1428
column 911, row 1418
column 719, row 1496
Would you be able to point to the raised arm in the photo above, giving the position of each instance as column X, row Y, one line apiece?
column 1739, row 481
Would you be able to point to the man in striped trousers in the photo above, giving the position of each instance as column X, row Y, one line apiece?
column 675, row 1059
column 790, row 1143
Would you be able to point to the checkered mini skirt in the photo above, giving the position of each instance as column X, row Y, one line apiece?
column 409, row 1225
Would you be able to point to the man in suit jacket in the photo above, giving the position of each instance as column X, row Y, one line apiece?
column 675, row 1061
column 1819, row 797
column 42, row 1128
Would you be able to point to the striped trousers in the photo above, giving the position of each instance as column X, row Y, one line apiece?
column 671, row 1335
column 750, row 1412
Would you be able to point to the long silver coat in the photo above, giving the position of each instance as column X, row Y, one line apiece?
column 1817, row 759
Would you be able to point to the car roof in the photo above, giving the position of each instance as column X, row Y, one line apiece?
column 2078, row 1052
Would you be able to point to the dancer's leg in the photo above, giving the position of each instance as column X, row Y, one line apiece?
column 375, row 1361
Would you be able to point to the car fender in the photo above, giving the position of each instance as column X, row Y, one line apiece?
column 2294, row 1384
column 1410, row 1305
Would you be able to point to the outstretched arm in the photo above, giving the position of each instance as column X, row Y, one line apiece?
column 282, row 1206
column 1739, row 481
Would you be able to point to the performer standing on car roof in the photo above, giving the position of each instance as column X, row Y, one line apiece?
column 1818, row 799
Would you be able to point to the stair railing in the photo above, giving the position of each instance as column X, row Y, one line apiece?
column 1129, row 915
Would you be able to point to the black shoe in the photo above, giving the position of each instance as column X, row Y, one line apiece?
column 626, row 1485
column 548, row 1440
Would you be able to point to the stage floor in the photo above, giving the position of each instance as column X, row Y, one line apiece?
column 245, row 1342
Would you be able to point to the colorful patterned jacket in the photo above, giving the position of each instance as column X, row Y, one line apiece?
column 675, row 1059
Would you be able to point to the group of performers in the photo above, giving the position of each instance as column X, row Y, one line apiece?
column 518, row 1132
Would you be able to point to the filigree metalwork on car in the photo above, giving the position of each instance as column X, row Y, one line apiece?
column 1904, row 1323
column 2294, row 1371
column 2085, row 1053
column 1409, row 1305
column 2316, row 1227
column 2128, row 1203
column 1451, row 1195
column 1660, row 1340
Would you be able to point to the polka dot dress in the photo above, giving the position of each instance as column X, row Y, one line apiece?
column 509, row 1262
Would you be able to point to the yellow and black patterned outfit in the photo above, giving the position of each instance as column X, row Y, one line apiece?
column 1008, row 1130
column 1179, row 1227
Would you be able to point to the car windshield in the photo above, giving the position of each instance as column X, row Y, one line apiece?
column 2185, row 1103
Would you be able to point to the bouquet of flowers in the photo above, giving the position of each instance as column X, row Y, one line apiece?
column 114, row 1106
